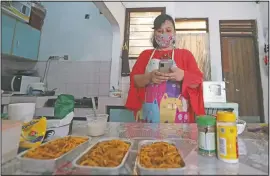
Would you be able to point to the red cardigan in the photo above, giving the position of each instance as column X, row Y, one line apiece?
column 185, row 61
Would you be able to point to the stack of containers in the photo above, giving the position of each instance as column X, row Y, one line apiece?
column 11, row 132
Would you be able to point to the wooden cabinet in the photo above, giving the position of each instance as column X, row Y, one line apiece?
column 120, row 114
column 8, row 26
column 26, row 41
column 19, row 39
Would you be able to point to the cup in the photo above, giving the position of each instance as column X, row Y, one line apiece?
column 97, row 124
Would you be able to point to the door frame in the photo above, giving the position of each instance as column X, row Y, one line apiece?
column 254, row 37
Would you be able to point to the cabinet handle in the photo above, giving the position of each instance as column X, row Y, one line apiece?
column 237, row 90
column 17, row 44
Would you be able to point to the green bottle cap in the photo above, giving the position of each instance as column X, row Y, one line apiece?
column 206, row 120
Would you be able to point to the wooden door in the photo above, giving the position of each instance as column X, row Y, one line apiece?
column 240, row 72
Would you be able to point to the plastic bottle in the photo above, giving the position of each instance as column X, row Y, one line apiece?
column 227, row 146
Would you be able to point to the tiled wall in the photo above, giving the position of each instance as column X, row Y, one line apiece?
column 79, row 78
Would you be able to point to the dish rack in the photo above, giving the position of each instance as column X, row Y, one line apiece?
column 214, row 108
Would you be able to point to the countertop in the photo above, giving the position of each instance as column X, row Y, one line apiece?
column 254, row 162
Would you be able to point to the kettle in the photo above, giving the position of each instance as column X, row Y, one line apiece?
column 36, row 88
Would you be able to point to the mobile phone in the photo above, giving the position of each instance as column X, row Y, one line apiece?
column 165, row 65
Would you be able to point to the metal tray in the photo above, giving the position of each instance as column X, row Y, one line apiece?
column 102, row 170
column 150, row 171
column 39, row 166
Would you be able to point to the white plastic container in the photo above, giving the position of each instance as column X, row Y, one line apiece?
column 11, row 132
column 227, row 133
column 58, row 127
column 21, row 111
column 97, row 124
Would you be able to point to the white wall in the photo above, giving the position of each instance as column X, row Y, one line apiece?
column 216, row 11
column 88, row 42
column 67, row 32
column 170, row 6
column 115, row 13
column 263, row 7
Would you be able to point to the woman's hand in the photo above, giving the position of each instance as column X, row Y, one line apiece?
column 177, row 74
column 158, row 77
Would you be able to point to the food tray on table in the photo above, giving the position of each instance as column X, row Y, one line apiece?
column 141, row 170
column 111, row 166
column 49, row 163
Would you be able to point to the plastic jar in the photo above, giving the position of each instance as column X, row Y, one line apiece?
column 206, row 135
column 227, row 145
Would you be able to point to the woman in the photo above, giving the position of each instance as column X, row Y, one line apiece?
column 165, row 97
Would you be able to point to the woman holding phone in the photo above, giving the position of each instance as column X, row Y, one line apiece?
column 165, row 83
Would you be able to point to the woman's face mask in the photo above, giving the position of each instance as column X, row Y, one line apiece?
column 165, row 40
column 165, row 35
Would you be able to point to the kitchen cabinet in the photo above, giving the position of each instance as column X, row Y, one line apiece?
column 119, row 114
column 8, row 26
column 26, row 41
column 19, row 39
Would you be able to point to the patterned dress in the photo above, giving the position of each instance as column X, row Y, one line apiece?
column 163, row 102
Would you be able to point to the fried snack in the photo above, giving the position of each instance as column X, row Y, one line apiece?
column 160, row 155
column 55, row 149
column 105, row 154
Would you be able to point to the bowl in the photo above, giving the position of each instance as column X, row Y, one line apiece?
column 96, row 125
column 241, row 125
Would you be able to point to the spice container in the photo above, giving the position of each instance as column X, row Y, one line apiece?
column 227, row 145
column 207, row 135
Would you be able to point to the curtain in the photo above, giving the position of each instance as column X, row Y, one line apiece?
column 198, row 45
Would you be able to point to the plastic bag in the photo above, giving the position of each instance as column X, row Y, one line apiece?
column 63, row 106
column 33, row 133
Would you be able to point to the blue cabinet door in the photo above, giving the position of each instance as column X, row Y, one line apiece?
column 8, row 25
column 26, row 41
column 120, row 115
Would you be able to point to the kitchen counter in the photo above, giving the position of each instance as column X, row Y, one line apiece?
column 39, row 100
column 253, row 162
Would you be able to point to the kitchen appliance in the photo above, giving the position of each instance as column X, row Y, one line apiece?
column 17, row 84
column 36, row 88
column 18, row 9
column 214, row 91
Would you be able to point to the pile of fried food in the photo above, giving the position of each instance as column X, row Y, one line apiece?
column 55, row 148
column 160, row 155
column 105, row 154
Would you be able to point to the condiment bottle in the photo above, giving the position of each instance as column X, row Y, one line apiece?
column 227, row 145
column 206, row 135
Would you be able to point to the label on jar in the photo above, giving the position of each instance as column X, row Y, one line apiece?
column 227, row 142
column 207, row 142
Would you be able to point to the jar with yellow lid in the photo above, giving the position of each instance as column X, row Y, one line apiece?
column 227, row 146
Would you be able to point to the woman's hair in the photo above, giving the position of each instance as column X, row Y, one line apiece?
column 157, row 24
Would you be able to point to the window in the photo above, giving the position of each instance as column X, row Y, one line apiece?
column 184, row 25
column 192, row 34
column 138, row 29
column 138, row 34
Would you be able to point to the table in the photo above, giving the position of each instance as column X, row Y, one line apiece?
column 254, row 161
